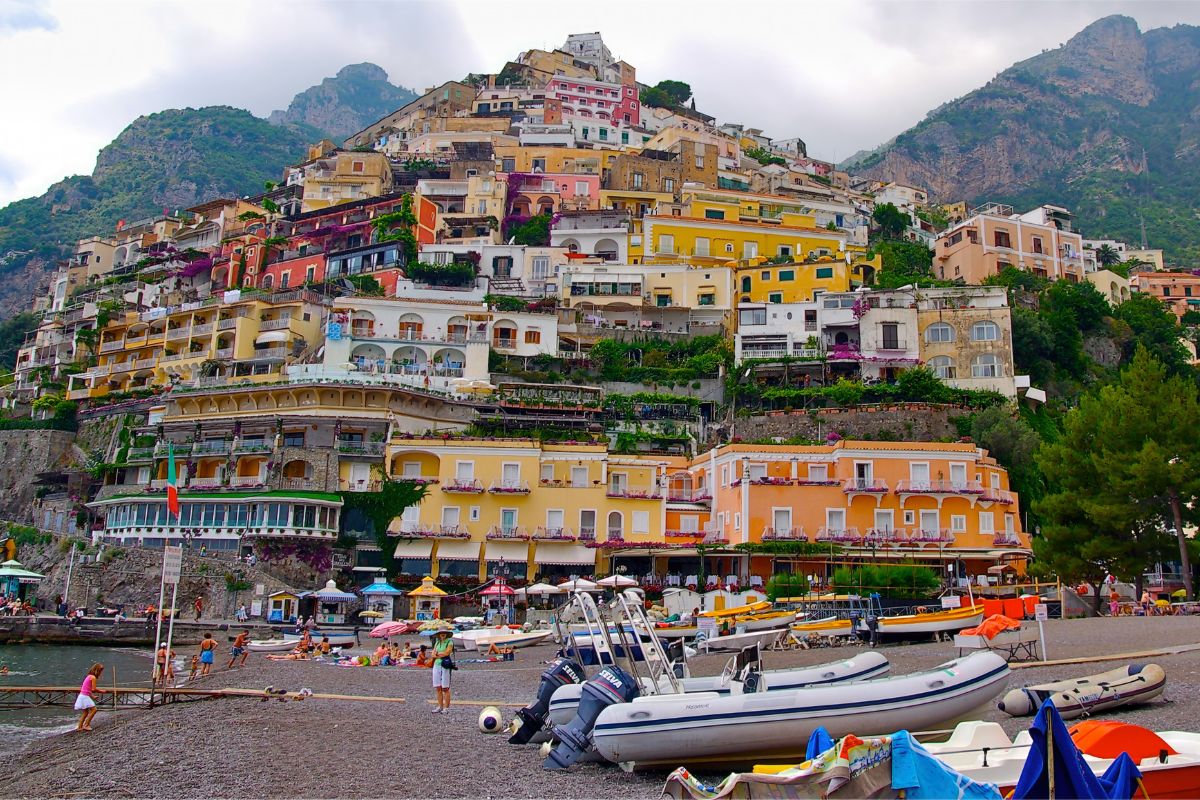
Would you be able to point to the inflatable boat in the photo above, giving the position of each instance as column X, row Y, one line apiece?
column 709, row 728
column 565, row 701
column 289, row 642
column 1136, row 683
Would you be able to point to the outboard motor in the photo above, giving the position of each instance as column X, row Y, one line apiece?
column 611, row 685
column 561, row 672
column 872, row 629
column 677, row 657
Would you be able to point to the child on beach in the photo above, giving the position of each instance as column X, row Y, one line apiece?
column 195, row 667
column 424, row 659
column 84, row 703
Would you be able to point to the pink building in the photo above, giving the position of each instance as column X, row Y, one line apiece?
column 552, row 192
column 611, row 102
column 993, row 237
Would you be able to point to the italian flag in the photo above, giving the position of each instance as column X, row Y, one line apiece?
column 172, row 489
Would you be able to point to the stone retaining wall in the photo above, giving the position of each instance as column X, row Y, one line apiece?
column 920, row 422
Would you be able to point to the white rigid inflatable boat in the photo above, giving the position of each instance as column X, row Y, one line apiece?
column 709, row 728
column 864, row 666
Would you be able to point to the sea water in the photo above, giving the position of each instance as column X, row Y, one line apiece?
column 60, row 665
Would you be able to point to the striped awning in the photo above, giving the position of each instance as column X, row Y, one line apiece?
column 458, row 551
column 569, row 554
column 414, row 549
column 512, row 552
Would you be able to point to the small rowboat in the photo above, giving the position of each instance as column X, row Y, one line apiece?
column 1136, row 683
column 290, row 641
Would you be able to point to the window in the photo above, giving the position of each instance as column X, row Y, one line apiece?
column 939, row 332
column 268, row 281
column 702, row 244
column 579, row 477
column 668, row 184
column 835, row 519
column 625, row 134
column 641, row 522
column 586, row 131
column 357, row 166
column 533, row 336
column 884, row 519
column 706, row 299
column 785, row 250
column 581, row 187
column 775, row 297
column 617, row 483
column 891, row 336
column 752, row 316
column 666, row 243
column 986, row 366
column 1002, row 239
column 787, row 274
column 285, row 279
column 824, row 272
column 464, row 470
column 929, row 521
column 638, row 180
column 1037, row 244
column 699, row 162
column 310, row 274
column 546, row 472
column 958, row 523
column 724, row 476
column 987, row 522
column 293, row 439
column 750, row 250
column 587, row 522
column 942, row 366
column 985, row 331
column 450, row 516
column 714, row 213
column 539, row 164
column 603, row 131
column 508, row 164
column 1166, row 291
column 958, row 476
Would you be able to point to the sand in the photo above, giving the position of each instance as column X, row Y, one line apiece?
column 339, row 748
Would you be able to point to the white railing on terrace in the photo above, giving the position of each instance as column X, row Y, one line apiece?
column 865, row 485
column 784, row 534
column 274, row 324
column 939, row 487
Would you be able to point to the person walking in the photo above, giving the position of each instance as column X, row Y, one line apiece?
column 208, row 649
column 443, row 663
column 84, row 703
column 239, row 649
column 199, row 606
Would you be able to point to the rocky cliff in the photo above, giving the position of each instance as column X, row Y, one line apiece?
column 346, row 103
column 1107, row 125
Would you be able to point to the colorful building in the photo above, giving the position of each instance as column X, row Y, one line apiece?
column 1179, row 291
column 993, row 237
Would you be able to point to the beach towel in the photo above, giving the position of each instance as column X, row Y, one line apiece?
column 997, row 623
column 921, row 776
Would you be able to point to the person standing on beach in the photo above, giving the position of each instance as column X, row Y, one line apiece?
column 239, row 649
column 208, row 649
column 199, row 606
column 84, row 703
column 162, row 660
column 443, row 651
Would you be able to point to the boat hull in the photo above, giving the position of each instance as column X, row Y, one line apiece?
column 742, row 729
column 1074, row 698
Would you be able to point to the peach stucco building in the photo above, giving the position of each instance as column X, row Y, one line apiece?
column 1040, row 241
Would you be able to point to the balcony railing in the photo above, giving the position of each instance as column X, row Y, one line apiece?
column 225, row 353
column 134, row 341
column 363, row 485
column 818, row 482
column 457, row 486
column 715, row 537
column 885, row 536
column 227, row 324
column 544, row 534
column 997, row 496
column 177, row 333
column 248, row 481
column 770, row 480
column 931, row 536
column 212, row 448
column 865, row 485
column 139, row 453
column 274, row 324
column 109, row 347
column 939, row 487
column 270, row 352
column 689, row 496
column 682, row 534
column 1006, row 539
column 516, row 533
column 299, row 484
column 509, row 487
column 361, row 448
column 587, row 534
column 78, row 394
column 784, row 534
column 201, row 330
column 633, row 494
column 451, row 532
column 556, row 483
column 254, row 446
column 145, row 363
column 826, row 534
column 206, row 483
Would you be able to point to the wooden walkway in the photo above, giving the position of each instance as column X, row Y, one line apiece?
column 140, row 697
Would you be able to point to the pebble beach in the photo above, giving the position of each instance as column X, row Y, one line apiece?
column 243, row 747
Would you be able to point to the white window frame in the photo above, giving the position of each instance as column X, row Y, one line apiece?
column 640, row 522
column 818, row 472
column 504, row 468
column 457, row 514
column 758, row 471
column 775, row 512
column 913, row 480
column 546, row 472
column 958, row 523
column 459, row 470
column 924, row 515
column 835, row 513
column 983, row 325
column 666, row 243
column 562, row 518
column 474, row 514
column 939, row 326
column 888, row 518
column 987, row 522
column 575, row 471
column 958, row 465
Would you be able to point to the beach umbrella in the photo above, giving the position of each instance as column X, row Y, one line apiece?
column 386, row 629
column 616, row 581
column 543, row 588
column 579, row 585
column 371, row 614
column 498, row 588
column 1180, row 593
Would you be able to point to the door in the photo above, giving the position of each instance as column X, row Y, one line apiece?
column 508, row 519
column 863, row 475
column 412, row 469
column 617, row 483
column 360, row 475
column 579, row 477
column 929, row 523
column 450, row 518
column 410, row 518
column 781, row 520
column 891, row 336
column 958, row 476
column 919, row 476
column 464, row 471
column 511, row 475
column 587, row 523
column 758, row 471
column 554, row 520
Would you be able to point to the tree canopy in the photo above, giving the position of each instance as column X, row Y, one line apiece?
column 890, row 221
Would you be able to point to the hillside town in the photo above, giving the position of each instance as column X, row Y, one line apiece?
column 598, row 328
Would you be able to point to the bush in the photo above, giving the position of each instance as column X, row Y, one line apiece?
column 27, row 534
column 895, row 581
column 786, row 584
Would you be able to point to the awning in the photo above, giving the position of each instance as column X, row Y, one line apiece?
column 511, row 552
column 568, row 554
column 271, row 336
column 413, row 549
column 458, row 551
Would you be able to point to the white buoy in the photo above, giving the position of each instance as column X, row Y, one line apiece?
column 490, row 720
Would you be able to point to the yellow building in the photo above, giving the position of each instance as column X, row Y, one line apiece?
column 344, row 176
column 249, row 339
column 521, row 506
column 637, row 203
column 562, row 160
column 794, row 283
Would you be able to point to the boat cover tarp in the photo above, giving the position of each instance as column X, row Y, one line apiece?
column 818, row 742
column 996, row 623
column 1054, row 753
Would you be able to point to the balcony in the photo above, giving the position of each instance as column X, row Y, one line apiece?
column 865, row 486
column 768, row 480
column 509, row 487
column 686, row 496
column 202, row 330
column 161, row 483
column 361, row 448
column 892, row 344
column 450, row 532
column 253, row 446
column 212, row 448
column 818, row 482
column 587, row 534
column 144, row 363
column 363, row 485
column 715, row 538
column 682, row 534
column 515, row 533
column 1006, row 539
column 1001, row 496
column 544, row 534
column 109, row 347
column 133, row 341
column 225, row 354
column 248, row 481
column 299, row 485
column 270, row 353
column 227, row 324
column 939, row 487
column 877, row 536
column 632, row 494
column 784, row 535
column 78, row 394
column 931, row 536
column 457, row 486
column 139, row 454
column 161, row 448
column 176, row 356
column 548, row 483
column 838, row 535
column 276, row 324
column 177, row 333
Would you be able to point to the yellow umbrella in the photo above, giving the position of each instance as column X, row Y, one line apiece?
column 372, row 614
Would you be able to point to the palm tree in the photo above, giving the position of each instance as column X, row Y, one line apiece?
column 1107, row 255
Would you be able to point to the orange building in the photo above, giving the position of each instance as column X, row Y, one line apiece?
column 1179, row 291
column 993, row 237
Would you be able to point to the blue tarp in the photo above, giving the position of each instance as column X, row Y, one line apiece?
column 924, row 777
column 818, row 742
column 1072, row 776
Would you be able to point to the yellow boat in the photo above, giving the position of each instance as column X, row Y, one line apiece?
column 753, row 608
column 930, row 622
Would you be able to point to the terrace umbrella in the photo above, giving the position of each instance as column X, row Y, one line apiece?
column 386, row 629
column 616, row 582
column 579, row 585
column 541, row 588
column 497, row 589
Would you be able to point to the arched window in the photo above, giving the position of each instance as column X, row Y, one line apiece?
column 986, row 366
column 985, row 331
column 942, row 366
column 841, row 337
column 268, row 281
column 939, row 332
column 616, row 525
column 746, row 283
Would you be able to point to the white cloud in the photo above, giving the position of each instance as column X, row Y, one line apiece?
column 843, row 76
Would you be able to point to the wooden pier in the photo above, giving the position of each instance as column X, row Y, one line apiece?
column 121, row 698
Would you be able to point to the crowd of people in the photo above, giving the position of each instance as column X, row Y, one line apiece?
column 13, row 606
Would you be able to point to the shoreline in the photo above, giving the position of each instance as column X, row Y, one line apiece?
column 237, row 747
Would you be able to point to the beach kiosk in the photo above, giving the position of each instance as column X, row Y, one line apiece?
column 331, row 603
column 282, row 607
column 427, row 601
column 381, row 596
column 15, row 580
column 499, row 599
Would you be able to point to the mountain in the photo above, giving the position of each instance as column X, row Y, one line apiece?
column 1107, row 125
column 345, row 104
column 175, row 159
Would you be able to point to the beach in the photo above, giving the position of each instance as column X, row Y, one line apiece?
column 236, row 747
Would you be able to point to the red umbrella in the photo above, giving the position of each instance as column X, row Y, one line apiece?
column 498, row 589
column 386, row 629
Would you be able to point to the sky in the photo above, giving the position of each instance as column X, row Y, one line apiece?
column 844, row 76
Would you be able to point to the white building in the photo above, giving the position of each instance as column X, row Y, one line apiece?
column 604, row 234
column 588, row 47
column 514, row 269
